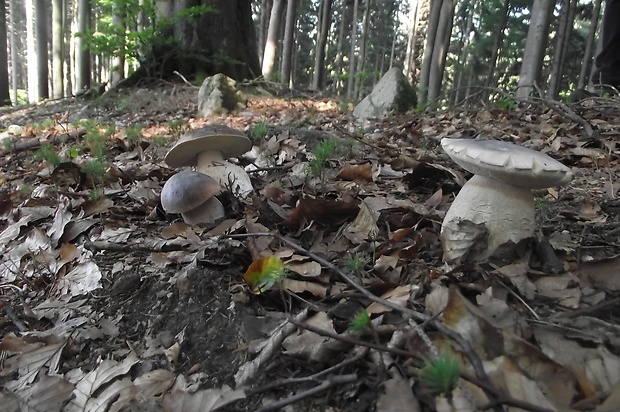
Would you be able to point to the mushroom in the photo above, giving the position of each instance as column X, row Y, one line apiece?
column 496, row 204
column 192, row 194
column 206, row 148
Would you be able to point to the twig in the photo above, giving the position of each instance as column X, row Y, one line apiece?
column 183, row 78
column 498, row 396
column 311, row 378
column 99, row 246
column 248, row 370
column 327, row 384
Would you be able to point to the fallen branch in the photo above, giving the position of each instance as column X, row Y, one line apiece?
column 35, row 143
column 327, row 384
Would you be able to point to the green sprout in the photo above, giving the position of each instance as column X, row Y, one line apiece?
column 360, row 322
column 259, row 131
column 177, row 127
column 440, row 373
column 134, row 134
column 355, row 263
column 95, row 169
column 46, row 152
column 321, row 154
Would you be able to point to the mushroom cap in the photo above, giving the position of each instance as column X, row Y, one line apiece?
column 508, row 162
column 187, row 190
column 230, row 142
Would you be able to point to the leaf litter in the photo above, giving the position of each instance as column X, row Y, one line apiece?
column 110, row 304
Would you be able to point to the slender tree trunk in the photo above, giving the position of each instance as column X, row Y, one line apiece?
column 350, row 81
column 263, row 27
column 58, row 41
column 289, row 39
column 41, row 42
column 5, row 98
column 118, row 62
column 318, row 80
column 31, row 54
column 338, row 67
column 269, row 57
column 82, row 54
column 14, row 65
column 562, row 39
column 531, row 66
column 412, row 41
column 431, row 34
column 464, row 58
column 361, row 58
column 497, row 45
column 440, row 51
column 584, row 78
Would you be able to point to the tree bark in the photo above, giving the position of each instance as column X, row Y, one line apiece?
column 559, row 54
column 440, row 50
column 289, row 39
column 41, row 41
column 497, row 46
column 586, row 64
column 318, row 80
column 5, row 98
column 58, row 42
column 363, row 41
column 531, row 66
column 269, row 57
column 82, row 54
column 464, row 58
column 118, row 61
column 350, row 82
column 431, row 34
column 412, row 43
column 31, row 54
column 14, row 65
column 338, row 66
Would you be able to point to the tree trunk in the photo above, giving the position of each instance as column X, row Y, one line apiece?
column 58, row 42
column 31, row 54
column 562, row 39
column 431, row 34
column 5, row 98
column 118, row 61
column 531, row 66
column 14, row 65
column 464, row 67
column 269, row 57
column 289, row 39
column 338, row 67
column 41, row 41
column 82, row 54
column 440, row 50
column 361, row 58
column 350, row 81
column 263, row 26
column 412, row 40
column 318, row 80
column 584, row 78
column 497, row 46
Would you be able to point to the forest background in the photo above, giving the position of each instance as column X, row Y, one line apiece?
column 454, row 51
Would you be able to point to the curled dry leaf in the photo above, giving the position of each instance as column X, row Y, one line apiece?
column 361, row 172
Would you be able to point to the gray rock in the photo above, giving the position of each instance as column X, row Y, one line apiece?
column 393, row 93
column 218, row 94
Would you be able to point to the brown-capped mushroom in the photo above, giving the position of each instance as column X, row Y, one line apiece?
column 192, row 194
column 207, row 148
column 498, row 198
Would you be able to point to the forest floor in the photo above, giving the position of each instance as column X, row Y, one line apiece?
column 109, row 304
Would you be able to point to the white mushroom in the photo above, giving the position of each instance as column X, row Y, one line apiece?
column 496, row 205
column 207, row 148
column 192, row 194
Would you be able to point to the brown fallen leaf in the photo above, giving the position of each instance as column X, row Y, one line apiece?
column 361, row 172
column 323, row 211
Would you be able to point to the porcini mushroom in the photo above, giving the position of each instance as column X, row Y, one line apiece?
column 497, row 201
column 192, row 194
column 207, row 148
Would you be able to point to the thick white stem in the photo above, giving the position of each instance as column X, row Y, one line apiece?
column 207, row 159
column 506, row 211
column 230, row 176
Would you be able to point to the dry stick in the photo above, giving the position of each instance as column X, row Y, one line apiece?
column 327, row 384
column 304, row 379
column 455, row 336
column 502, row 398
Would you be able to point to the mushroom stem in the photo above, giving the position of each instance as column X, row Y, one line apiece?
column 208, row 158
column 229, row 175
column 208, row 212
column 506, row 211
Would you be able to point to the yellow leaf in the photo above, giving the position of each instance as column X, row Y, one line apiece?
column 263, row 273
